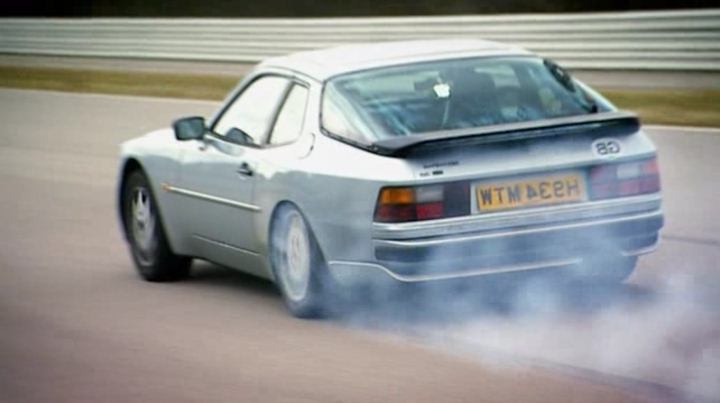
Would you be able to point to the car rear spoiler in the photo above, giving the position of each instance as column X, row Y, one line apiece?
column 608, row 123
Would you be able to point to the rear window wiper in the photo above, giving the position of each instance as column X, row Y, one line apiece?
column 566, row 80
column 590, row 105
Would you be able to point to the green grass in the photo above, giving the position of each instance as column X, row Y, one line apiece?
column 670, row 106
column 157, row 84
column 660, row 106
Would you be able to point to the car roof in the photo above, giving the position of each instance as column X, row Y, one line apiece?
column 325, row 63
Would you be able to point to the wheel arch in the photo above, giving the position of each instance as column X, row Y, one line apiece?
column 129, row 166
column 269, row 228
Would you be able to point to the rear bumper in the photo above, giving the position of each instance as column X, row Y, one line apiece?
column 486, row 247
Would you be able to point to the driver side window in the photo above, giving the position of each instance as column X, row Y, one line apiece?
column 252, row 111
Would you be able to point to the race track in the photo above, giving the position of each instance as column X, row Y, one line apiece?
column 77, row 324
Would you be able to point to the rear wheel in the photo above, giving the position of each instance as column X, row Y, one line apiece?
column 149, row 248
column 297, row 264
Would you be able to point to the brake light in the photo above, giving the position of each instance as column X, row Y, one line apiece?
column 624, row 179
column 417, row 203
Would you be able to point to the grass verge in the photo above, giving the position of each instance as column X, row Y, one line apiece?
column 157, row 84
column 658, row 106
column 699, row 107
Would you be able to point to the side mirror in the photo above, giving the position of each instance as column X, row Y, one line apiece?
column 191, row 128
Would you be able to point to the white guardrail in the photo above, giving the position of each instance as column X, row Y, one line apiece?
column 657, row 40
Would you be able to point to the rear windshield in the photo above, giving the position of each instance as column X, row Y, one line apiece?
column 383, row 103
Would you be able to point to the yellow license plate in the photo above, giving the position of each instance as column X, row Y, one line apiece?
column 561, row 188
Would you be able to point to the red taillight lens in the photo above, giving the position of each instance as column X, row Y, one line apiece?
column 427, row 211
column 625, row 179
column 417, row 203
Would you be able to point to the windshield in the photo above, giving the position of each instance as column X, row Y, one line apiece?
column 383, row 103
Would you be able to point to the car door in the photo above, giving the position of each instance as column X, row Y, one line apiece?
column 217, row 174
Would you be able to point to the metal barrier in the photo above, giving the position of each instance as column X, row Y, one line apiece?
column 664, row 40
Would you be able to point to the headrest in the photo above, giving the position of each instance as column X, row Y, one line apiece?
column 470, row 82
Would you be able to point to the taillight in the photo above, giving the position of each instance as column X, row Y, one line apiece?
column 624, row 179
column 417, row 203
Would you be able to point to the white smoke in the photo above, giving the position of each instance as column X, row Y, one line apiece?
column 664, row 333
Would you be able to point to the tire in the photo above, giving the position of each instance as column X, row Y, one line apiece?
column 150, row 251
column 613, row 270
column 298, row 265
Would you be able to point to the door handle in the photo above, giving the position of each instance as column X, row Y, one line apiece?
column 244, row 169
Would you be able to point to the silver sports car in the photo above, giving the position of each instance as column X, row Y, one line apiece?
column 399, row 162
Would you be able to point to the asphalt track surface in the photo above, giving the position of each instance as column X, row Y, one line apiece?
column 77, row 324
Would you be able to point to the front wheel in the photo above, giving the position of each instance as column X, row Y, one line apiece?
column 148, row 244
column 297, row 263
